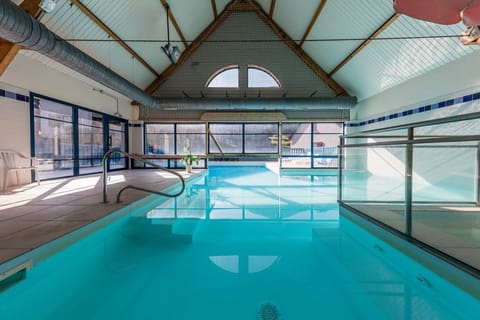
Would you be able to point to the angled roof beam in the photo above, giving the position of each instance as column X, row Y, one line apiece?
column 174, row 22
column 9, row 50
column 320, row 7
column 214, row 8
column 190, row 49
column 112, row 34
column 296, row 48
column 365, row 43
column 272, row 8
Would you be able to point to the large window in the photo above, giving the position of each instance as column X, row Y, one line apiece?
column 69, row 140
column 229, row 77
column 243, row 138
column 53, row 138
column 90, row 135
column 171, row 139
column 310, row 144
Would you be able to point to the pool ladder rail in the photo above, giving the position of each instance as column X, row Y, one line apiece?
column 105, row 159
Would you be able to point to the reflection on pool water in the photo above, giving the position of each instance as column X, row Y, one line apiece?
column 242, row 243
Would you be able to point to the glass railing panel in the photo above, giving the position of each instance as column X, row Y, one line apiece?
column 373, row 182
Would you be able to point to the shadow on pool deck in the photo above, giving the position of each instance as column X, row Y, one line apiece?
column 32, row 215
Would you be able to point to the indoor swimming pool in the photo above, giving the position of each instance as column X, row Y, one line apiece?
column 242, row 242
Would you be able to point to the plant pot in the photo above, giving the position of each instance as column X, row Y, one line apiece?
column 188, row 168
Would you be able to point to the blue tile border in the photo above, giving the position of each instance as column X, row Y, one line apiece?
column 433, row 106
column 14, row 96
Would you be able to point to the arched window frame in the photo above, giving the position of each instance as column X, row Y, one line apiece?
column 265, row 70
column 219, row 72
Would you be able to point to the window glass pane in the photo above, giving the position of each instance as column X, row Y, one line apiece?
column 196, row 142
column 190, row 128
column 335, row 127
column 90, row 118
column 90, row 149
column 53, row 145
column 225, row 79
column 159, row 128
column 296, row 139
column 325, row 144
column 260, row 138
column 228, row 136
column 115, row 125
column 296, row 162
column 52, row 110
column 258, row 78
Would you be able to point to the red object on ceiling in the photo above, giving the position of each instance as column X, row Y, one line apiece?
column 471, row 14
column 441, row 11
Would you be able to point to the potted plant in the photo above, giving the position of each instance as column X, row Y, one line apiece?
column 188, row 159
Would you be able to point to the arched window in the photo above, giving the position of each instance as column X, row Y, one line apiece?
column 259, row 77
column 226, row 77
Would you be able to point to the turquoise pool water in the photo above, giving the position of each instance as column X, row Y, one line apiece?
column 242, row 243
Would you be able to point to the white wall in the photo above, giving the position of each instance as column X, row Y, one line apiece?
column 449, row 79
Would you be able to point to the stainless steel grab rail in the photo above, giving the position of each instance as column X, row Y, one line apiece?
column 131, row 156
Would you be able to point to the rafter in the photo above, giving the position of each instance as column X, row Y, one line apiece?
column 189, row 50
column 214, row 9
column 272, row 8
column 320, row 7
column 296, row 48
column 365, row 43
column 174, row 22
column 112, row 34
column 9, row 50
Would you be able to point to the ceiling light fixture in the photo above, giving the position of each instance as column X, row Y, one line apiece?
column 172, row 52
column 48, row 5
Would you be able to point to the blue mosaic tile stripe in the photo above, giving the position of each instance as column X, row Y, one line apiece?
column 433, row 106
column 14, row 96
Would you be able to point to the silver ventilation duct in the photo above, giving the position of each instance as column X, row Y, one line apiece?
column 19, row 27
column 257, row 103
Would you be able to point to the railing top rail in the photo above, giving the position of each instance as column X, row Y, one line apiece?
column 414, row 141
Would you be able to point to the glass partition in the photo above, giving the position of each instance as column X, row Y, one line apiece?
column 422, row 181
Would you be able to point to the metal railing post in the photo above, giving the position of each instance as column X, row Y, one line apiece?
column 408, row 183
column 105, row 159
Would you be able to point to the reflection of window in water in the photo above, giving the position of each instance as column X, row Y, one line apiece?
column 235, row 263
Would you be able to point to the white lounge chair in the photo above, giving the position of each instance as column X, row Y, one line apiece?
column 15, row 161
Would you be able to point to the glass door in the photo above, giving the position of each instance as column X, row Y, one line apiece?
column 116, row 140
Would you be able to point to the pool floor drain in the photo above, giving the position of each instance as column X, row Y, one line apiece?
column 268, row 311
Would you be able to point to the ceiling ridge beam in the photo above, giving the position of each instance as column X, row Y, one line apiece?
column 112, row 34
column 190, row 49
column 8, row 50
column 272, row 8
column 299, row 51
column 365, row 43
column 214, row 8
column 320, row 7
column 174, row 22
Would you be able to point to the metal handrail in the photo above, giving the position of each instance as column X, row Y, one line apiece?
column 131, row 156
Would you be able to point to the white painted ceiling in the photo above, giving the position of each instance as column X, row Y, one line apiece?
column 340, row 28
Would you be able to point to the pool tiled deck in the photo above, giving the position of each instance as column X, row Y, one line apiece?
column 32, row 215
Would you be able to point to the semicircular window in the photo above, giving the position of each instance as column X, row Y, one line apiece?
column 226, row 77
column 259, row 77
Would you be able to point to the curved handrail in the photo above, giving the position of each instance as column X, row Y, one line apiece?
column 131, row 156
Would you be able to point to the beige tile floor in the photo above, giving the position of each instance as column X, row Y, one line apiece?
column 32, row 215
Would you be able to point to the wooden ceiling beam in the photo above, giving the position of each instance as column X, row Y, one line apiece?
column 214, row 8
column 320, row 7
column 9, row 50
column 365, row 43
column 174, row 22
column 298, row 50
column 272, row 8
column 190, row 49
column 112, row 34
